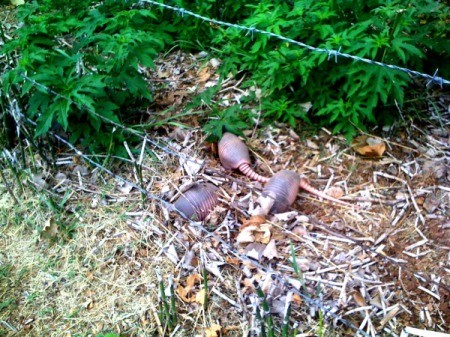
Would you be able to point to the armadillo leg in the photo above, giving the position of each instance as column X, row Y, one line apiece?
column 248, row 171
column 307, row 187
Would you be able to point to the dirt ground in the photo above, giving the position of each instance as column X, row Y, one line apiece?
column 90, row 264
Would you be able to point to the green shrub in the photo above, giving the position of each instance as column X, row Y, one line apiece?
column 346, row 94
column 87, row 53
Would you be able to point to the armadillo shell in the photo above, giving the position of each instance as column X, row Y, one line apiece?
column 232, row 151
column 283, row 187
column 197, row 202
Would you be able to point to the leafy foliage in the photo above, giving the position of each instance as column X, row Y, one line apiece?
column 349, row 94
column 87, row 53
column 232, row 119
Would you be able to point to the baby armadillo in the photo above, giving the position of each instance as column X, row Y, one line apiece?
column 233, row 154
column 283, row 187
column 197, row 202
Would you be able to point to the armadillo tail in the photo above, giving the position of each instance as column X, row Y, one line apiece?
column 307, row 187
column 248, row 171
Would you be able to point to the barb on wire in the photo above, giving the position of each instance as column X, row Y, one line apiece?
column 335, row 53
column 431, row 78
column 436, row 79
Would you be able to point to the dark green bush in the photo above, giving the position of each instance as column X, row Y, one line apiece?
column 87, row 53
column 346, row 94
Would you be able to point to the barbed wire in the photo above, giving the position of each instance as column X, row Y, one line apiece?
column 331, row 52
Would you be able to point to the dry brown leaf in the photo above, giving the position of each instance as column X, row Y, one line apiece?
column 255, row 250
column 254, row 220
column 50, row 230
column 231, row 328
column 359, row 298
column 263, row 233
column 89, row 276
column 335, row 192
column 246, row 235
column 248, row 283
column 255, row 233
column 200, row 297
column 297, row 299
column 271, row 250
column 190, row 283
column 213, row 331
column 369, row 147
column 203, row 75
column 233, row 261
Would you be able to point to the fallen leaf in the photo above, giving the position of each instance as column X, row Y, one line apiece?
column 203, row 75
column 297, row 299
column 171, row 253
column 82, row 170
column 335, row 192
column 263, row 233
column 184, row 292
column 298, row 232
column 271, row 250
column 213, row 268
column 254, row 233
column 233, row 261
column 246, row 235
column 369, row 147
column 125, row 188
column 215, row 63
column 265, row 203
column 231, row 328
column 255, row 250
column 311, row 144
column 190, row 261
column 89, row 276
column 254, row 220
column 39, row 181
column 191, row 167
column 192, row 279
column 306, row 106
column 359, row 299
column 50, row 230
column 213, row 331
column 431, row 203
column 200, row 297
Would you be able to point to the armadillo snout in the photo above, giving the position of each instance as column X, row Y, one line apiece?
column 283, row 187
column 197, row 202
